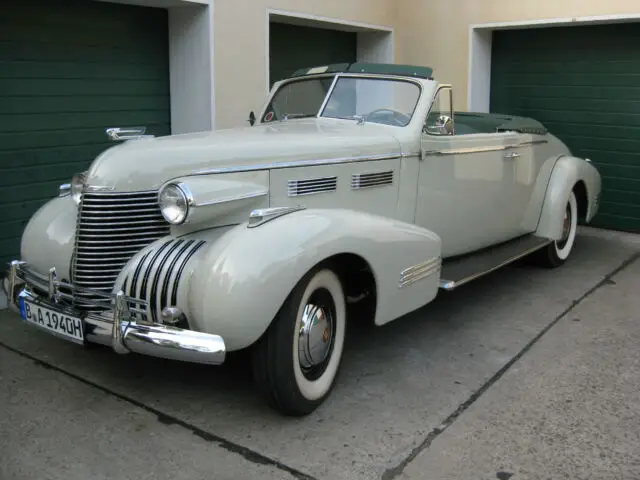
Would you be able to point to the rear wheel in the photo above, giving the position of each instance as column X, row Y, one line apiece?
column 557, row 252
column 296, row 362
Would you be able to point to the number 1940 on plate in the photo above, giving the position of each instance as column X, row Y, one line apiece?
column 58, row 323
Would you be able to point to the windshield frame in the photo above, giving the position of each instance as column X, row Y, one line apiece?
column 336, row 76
column 393, row 78
column 289, row 81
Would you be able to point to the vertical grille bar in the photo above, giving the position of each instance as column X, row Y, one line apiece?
column 111, row 228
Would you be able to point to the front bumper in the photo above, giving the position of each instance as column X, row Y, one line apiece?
column 115, row 326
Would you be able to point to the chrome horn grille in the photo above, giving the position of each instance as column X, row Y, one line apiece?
column 111, row 228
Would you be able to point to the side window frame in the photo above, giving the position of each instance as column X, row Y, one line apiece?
column 447, row 126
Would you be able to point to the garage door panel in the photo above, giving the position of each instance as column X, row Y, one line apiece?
column 76, row 70
column 573, row 66
column 618, row 222
column 571, row 126
column 69, row 69
column 572, row 80
column 515, row 93
column 22, row 122
column 591, row 106
column 32, row 141
column 621, row 197
column 583, row 84
column 614, row 157
column 82, row 103
column 582, row 144
column 43, row 157
column 47, row 86
column 79, row 53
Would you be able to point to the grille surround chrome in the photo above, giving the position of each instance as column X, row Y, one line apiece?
column 111, row 228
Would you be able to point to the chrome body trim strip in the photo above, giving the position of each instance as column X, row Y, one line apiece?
column 413, row 274
column 117, row 329
column 303, row 163
column 467, row 150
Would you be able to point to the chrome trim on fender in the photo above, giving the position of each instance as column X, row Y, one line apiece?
column 263, row 215
column 232, row 198
column 413, row 274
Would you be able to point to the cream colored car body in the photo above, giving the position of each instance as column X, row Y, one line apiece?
column 447, row 195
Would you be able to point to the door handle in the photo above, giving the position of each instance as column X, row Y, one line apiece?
column 511, row 155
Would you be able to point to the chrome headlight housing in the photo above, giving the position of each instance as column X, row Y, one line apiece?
column 174, row 200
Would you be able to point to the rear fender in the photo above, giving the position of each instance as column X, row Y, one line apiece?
column 567, row 173
column 243, row 277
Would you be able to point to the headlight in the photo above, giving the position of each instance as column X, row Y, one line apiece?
column 77, row 184
column 174, row 200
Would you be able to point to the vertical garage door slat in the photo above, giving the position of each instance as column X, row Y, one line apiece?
column 583, row 84
column 69, row 69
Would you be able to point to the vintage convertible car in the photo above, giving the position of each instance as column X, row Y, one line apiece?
column 356, row 190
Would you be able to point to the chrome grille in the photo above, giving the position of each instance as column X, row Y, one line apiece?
column 111, row 228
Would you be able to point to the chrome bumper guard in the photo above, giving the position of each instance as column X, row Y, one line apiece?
column 115, row 326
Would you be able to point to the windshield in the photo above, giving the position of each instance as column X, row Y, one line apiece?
column 301, row 98
column 376, row 100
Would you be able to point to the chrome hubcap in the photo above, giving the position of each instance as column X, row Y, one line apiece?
column 316, row 334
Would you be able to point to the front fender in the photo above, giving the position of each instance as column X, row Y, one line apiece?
column 49, row 237
column 242, row 279
column 567, row 172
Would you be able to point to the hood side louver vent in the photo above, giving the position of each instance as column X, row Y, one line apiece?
column 366, row 180
column 312, row 185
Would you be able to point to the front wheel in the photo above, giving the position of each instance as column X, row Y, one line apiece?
column 296, row 361
column 557, row 252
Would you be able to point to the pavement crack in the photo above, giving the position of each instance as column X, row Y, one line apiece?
column 393, row 472
column 245, row 452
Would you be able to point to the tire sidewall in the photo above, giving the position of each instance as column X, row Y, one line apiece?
column 316, row 390
column 562, row 254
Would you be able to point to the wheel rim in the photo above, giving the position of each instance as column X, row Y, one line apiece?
column 316, row 335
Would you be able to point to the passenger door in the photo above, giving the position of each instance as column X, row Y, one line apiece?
column 464, row 183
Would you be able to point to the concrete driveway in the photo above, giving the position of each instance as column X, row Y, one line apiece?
column 433, row 395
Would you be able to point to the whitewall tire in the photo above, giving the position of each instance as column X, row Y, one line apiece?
column 558, row 251
column 296, row 362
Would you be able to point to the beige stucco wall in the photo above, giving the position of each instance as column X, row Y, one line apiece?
column 436, row 33
column 240, row 35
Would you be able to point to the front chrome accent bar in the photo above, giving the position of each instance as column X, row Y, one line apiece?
column 116, row 327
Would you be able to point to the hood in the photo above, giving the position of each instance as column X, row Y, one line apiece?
column 148, row 163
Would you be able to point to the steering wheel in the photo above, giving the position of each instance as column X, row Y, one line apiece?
column 399, row 118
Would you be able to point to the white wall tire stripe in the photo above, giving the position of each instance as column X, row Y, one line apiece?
column 316, row 389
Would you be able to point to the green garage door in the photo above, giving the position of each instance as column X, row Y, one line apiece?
column 583, row 84
column 292, row 47
column 68, row 70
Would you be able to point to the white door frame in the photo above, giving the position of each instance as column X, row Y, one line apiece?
column 326, row 22
column 479, row 67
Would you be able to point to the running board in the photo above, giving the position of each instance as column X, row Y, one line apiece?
column 460, row 270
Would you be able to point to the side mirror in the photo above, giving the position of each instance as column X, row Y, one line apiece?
column 442, row 126
column 252, row 118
